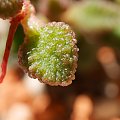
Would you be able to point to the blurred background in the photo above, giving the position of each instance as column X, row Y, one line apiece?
column 95, row 93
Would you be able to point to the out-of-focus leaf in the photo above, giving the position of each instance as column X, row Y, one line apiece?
column 93, row 16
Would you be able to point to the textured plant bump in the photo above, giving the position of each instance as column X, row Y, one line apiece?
column 9, row 8
column 50, row 56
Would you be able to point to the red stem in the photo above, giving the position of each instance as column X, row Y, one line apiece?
column 14, row 24
column 11, row 33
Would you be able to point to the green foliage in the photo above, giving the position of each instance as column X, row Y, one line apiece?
column 94, row 16
column 51, row 54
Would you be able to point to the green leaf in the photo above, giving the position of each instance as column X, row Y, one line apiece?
column 51, row 55
column 93, row 16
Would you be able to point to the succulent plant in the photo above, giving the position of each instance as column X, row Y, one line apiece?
column 9, row 8
column 49, row 51
column 51, row 54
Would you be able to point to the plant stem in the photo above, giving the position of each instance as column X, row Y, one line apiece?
column 12, row 31
column 14, row 24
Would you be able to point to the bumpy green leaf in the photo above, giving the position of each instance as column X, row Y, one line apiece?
column 51, row 54
column 9, row 8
